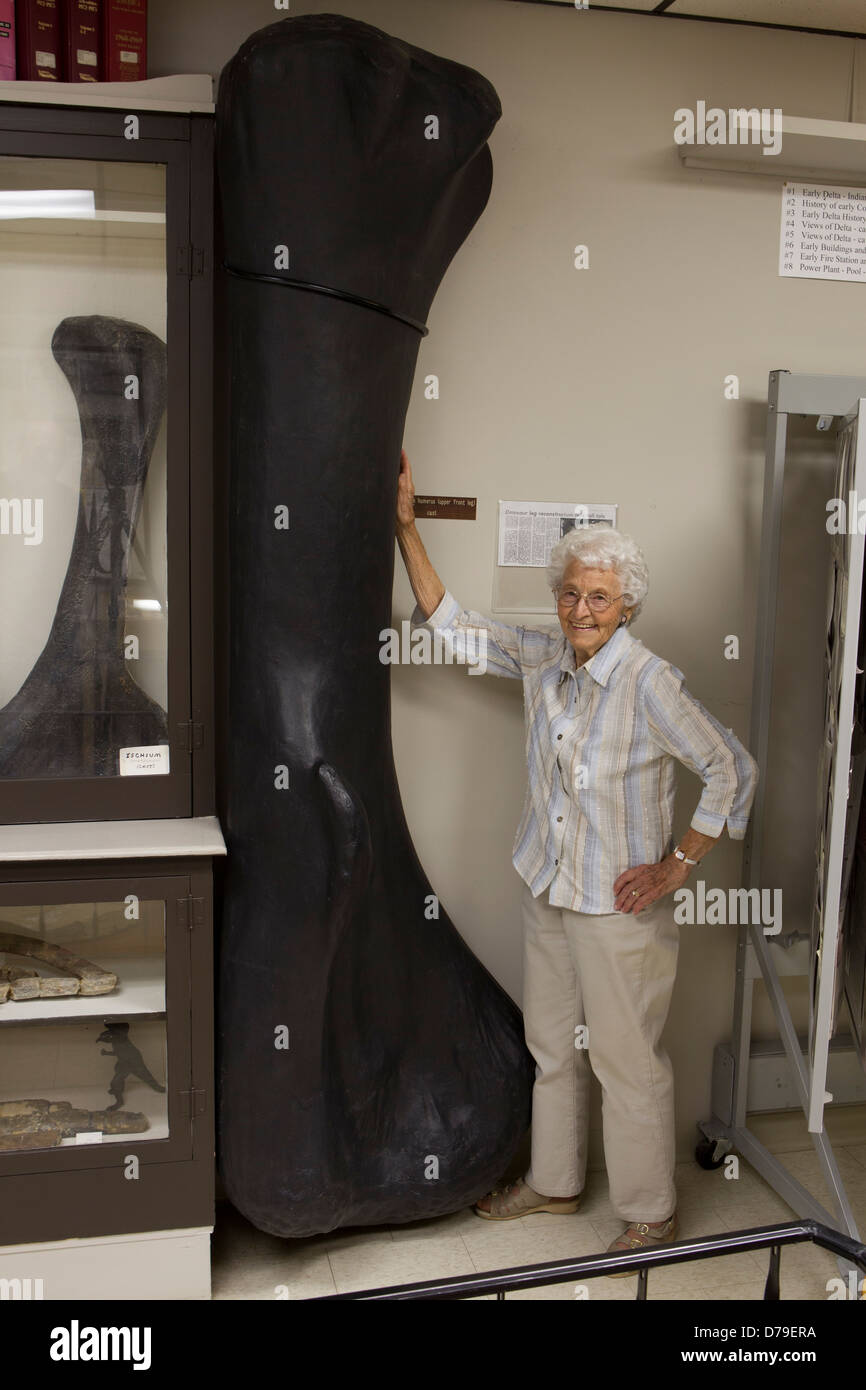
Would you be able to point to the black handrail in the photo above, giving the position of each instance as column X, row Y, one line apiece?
column 498, row 1281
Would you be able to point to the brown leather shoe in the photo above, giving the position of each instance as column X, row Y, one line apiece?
column 521, row 1200
column 640, row 1234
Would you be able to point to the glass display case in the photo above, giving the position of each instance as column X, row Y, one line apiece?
column 105, row 367
column 81, row 982
column 107, row 830
column 105, row 1048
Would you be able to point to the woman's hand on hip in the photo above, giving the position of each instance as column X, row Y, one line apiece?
column 639, row 887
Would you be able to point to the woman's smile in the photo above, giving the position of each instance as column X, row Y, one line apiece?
column 588, row 634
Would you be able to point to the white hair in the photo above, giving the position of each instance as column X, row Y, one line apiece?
column 602, row 548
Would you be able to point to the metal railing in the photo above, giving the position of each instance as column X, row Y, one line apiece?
column 499, row 1281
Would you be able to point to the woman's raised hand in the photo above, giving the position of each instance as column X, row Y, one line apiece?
column 405, row 492
column 427, row 587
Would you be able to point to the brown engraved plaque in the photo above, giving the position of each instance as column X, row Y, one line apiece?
column 446, row 508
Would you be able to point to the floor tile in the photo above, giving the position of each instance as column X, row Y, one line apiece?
column 350, row 1237
column 384, row 1264
column 543, row 1237
column 857, row 1152
column 806, row 1168
column 741, row 1211
column 454, row 1224
column 300, row 1275
column 690, row 1178
column 248, row 1263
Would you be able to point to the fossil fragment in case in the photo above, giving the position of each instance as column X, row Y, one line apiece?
column 18, row 982
column 41, row 1124
column 80, row 706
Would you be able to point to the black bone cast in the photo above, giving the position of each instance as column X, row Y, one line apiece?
column 403, row 1084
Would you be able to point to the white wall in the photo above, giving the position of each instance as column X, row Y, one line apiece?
column 607, row 385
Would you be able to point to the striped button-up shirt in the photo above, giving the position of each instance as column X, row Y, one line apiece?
column 601, row 743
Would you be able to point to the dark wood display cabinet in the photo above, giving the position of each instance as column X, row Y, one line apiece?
column 106, row 1053
column 106, row 272
column 107, row 825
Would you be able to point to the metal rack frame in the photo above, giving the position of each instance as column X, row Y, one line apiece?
column 788, row 394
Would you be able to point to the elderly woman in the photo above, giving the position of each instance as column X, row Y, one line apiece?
column 605, row 722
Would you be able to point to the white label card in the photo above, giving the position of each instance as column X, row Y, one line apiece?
column 150, row 761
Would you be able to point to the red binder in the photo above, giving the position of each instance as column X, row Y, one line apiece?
column 125, row 40
column 7, row 40
column 82, row 40
column 37, row 41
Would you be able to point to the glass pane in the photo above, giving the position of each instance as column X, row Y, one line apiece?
column 83, row 625
column 83, row 1054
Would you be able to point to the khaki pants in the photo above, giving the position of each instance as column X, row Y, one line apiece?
column 615, row 974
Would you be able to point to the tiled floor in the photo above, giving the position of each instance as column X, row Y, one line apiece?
column 250, row 1265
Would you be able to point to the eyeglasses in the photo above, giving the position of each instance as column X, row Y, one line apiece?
column 596, row 602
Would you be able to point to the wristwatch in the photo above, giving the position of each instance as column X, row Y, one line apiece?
column 678, row 854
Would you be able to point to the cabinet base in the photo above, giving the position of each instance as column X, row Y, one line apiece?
column 141, row 1265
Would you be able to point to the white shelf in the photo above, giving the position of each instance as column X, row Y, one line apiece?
column 121, row 839
column 191, row 92
column 140, row 989
column 816, row 150
column 83, row 222
column 104, row 226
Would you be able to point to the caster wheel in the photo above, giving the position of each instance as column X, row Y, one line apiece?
column 704, row 1154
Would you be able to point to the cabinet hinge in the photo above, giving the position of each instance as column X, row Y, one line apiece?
column 196, row 1102
column 190, row 912
column 189, row 736
column 190, row 260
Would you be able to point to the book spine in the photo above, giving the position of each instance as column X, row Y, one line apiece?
column 125, row 40
column 82, row 40
column 38, row 48
column 7, row 40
